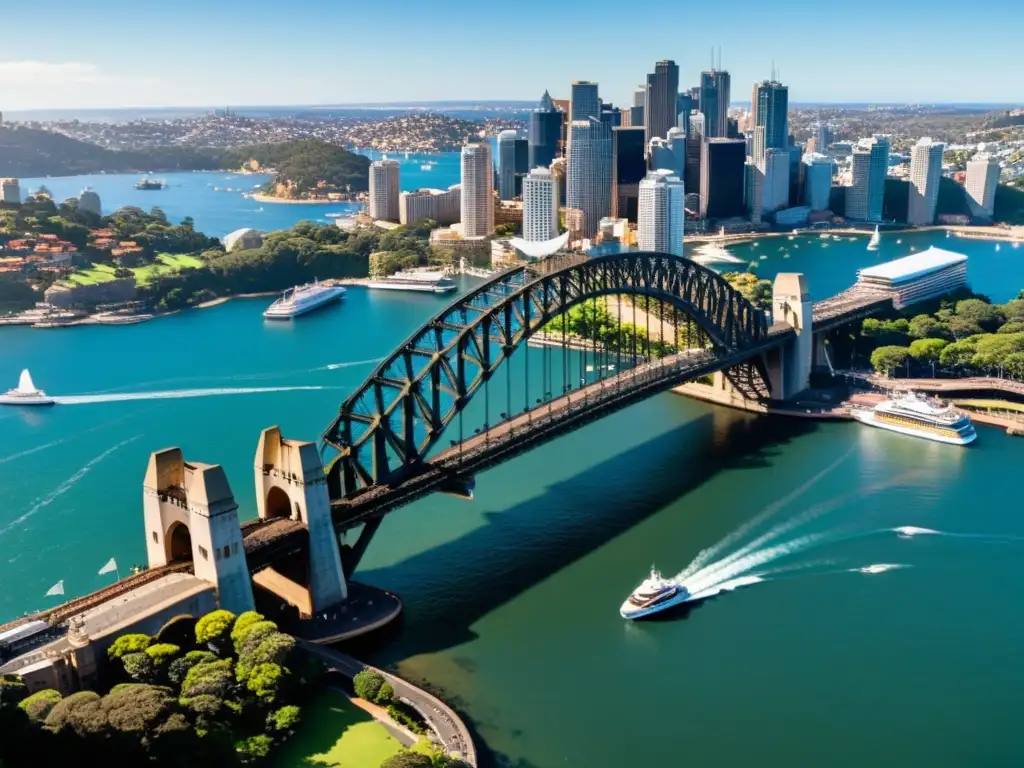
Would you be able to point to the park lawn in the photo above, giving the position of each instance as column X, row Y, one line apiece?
column 180, row 261
column 336, row 733
column 165, row 263
column 97, row 273
column 991, row 405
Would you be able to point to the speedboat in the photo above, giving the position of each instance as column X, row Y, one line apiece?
column 653, row 595
column 26, row 393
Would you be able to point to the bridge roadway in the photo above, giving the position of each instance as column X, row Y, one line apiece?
column 855, row 303
column 268, row 541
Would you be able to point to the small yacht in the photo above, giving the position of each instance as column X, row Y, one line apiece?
column 912, row 415
column 302, row 299
column 875, row 241
column 428, row 281
column 653, row 595
column 26, row 393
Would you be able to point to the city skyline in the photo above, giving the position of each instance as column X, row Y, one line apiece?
column 227, row 56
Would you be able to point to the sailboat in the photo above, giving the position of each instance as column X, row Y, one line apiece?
column 26, row 393
column 875, row 240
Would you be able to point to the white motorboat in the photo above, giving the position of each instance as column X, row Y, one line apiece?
column 26, row 393
column 918, row 417
column 875, row 241
column 302, row 299
column 654, row 594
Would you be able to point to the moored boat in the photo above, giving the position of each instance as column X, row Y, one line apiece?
column 26, row 393
column 302, row 299
column 916, row 416
column 428, row 281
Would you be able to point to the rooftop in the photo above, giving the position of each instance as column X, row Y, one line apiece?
column 914, row 266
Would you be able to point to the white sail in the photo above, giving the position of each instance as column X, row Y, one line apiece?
column 875, row 240
column 25, row 385
column 56, row 589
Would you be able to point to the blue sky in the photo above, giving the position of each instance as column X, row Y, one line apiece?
column 118, row 53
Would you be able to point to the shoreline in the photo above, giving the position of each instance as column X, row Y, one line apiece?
column 980, row 232
column 260, row 197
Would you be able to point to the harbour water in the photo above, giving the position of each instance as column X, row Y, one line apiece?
column 512, row 599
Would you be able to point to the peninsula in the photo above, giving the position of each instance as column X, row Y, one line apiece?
column 304, row 171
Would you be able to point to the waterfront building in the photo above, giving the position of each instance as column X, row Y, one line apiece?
column 90, row 202
column 722, row 178
column 585, row 102
column 817, row 180
column 545, row 133
column 383, row 195
column 513, row 158
column 714, row 102
column 775, row 164
column 662, row 213
column 868, row 170
column 753, row 190
column 590, row 172
column 628, row 169
column 10, row 191
column 925, row 178
column 440, row 205
column 477, row 201
column 660, row 100
column 982, row 180
column 540, row 206
column 770, row 112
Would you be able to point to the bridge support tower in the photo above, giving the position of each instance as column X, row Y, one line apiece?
column 789, row 369
column 290, row 483
column 191, row 514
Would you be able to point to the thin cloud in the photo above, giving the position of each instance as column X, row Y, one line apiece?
column 25, row 73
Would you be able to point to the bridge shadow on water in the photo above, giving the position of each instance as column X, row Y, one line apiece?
column 449, row 587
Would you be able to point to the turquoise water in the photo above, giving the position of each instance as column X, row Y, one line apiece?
column 512, row 599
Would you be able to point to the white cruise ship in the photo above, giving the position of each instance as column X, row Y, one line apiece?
column 302, row 299
column 918, row 417
column 430, row 281
column 654, row 594
column 26, row 393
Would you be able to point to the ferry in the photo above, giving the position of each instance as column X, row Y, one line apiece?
column 654, row 594
column 429, row 281
column 302, row 299
column 148, row 183
column 26, row 393
column 919, row 417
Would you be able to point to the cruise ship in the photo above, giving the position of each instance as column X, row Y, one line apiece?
column 429, row 281
column 302, row 299
column 918, row 417
column 653, row 595
column 26, row 393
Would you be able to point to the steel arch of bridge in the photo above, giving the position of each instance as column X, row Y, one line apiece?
column 399, row 407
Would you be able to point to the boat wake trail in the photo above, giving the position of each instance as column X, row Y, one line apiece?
column 175, row 394
column 65, row 486
column 910, row 531
column 29, row 451
column 353, row 364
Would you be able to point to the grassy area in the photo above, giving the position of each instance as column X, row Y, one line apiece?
column 164, row 264
column 991, row 405
column 336, row 733
column 97, row 273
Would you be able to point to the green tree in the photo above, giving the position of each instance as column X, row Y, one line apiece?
column 886, row 359
column 927, row 327
column 385, row 695
column 12, row 689
column 981, row 313
column 284, row 720
column 274, row 649
column 252, row 634
column 508, row 229
column 962, row 328
column 163, row 654
column 927, row 351
column 1014, row 365
column 39, row 704
column 407, row 759
column 62, row 716
column 125, row 644
column 367, row 684
column 958, row 353
column 242, row 624
column 1013, row 311
column 214, row 630
column 216, row 678
column 140, row 667
column 1015, row 326
column 265, row 681
column 254, row 748
column 179, row 668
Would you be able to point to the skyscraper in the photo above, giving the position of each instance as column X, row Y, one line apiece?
column 714, row 102
column 817, row 170
column 636, row 116
column 660, row 100
column 722, row 178
column 628, row 169
column 694, row 151
column 925, row 177
column 668, row 153
column 610, row 116
column 545, row 131
column 982, row 180
column 640, row 96
column 507, row 164
column 823, row 137
column 477, row 190
column 585, row 103
column 769, row 106
column 540, row 205
column 662, row 213
column 383, row 196
column 869, row 167
column 589, row 188
column 684, row 106
column 776, row 179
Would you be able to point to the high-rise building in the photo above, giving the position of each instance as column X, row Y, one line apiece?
column 684, row 106
column 540, row 205
column 660, row 99
column 823, row 137
column 776, row 179
column 585, row 101
column 10, row 191
column 694, row 151
column 610, row 116
column 545, row 132
column 925, row 178
column 636, row 116
column 558, row 170
column 640, row 96
column 714, row 102
column 769, row 106
column 662, row 213
column 442, row 206
column 590, row 172
column 722, row 178
column 869, row 167
column 383, row 194
column 753, row 189
column 477, row 190
column 982, row 180
column 628, row 169
column 817, row 173
column 668, row 153
column 513, row 159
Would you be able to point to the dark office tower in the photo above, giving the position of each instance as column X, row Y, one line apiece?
column 636, row 116
column 694, row 139
column 545, row 132
column 584, row 103
column 769, row 106
column 628, row 169
column 722, row 178
column 734, row 129
column 610, row 116
column 684, row 106
column 660, row 100
column 522, row 164
column 714, row 102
